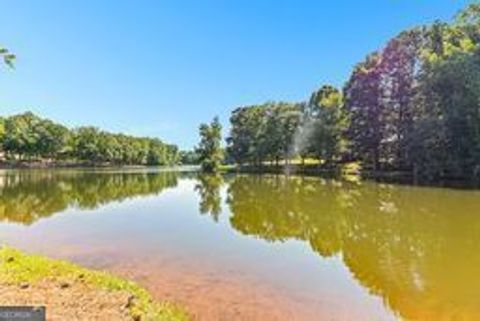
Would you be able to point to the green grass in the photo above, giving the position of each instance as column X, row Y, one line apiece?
column 17, row 267
column 295, row 161
column 227, row 167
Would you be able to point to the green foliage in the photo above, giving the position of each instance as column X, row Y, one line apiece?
column 378, row 99
column 29, row 137
column 446, row 136
column 246, row 133
column 189, row 157
column 210, row 153
column 262, row 132
column 324, row 113
column 7, row 56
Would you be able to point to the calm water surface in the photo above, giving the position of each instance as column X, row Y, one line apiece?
column 259, row 247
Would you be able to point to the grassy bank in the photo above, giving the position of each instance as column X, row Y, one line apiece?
column 354, row 172
column 37, row 280
column 312, row 169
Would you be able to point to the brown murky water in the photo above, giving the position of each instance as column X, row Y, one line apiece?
column 259, row 247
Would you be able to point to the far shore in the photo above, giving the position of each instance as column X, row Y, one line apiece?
column 88, row 165
column 355, row 174
column 345, row 171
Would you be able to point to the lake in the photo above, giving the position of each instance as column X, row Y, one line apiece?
column 247, row 247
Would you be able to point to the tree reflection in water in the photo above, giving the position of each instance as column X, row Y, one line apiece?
column 417, row 248
column 26, row 196
column 208, row 188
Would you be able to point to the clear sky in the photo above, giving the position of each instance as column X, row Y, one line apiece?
column 161, row 67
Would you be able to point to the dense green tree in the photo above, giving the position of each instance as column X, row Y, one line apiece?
column 52, row 139
column 86, row 144
column 444, row 140
column 446, row 137
column 326, row 122
column 263, row 132
column 400, row 60
column 378, row 98
column 172, row 155
column 289, row 117
column 189, row 157
column 363, row 102
column 247, row 134
column 21, row 137
column 156, row 153
column 209, row 149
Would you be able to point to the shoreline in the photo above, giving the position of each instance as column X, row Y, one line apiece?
column 380, row 176
column 393, row 176
column 74, row 165
column 71, row 292
column 91, row 166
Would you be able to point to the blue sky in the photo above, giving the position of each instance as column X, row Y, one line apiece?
column 159, row 68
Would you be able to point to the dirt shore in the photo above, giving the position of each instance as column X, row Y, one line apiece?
column 70, row 292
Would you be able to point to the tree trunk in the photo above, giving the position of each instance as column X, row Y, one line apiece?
column 376, row 160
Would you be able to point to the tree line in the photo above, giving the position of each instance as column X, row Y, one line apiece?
column 27, row 137
column 413, row 105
